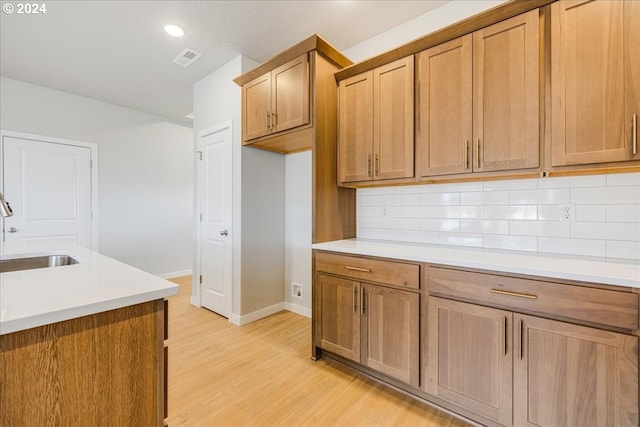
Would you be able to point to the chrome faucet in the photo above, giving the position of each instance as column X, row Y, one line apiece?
column 5, row 209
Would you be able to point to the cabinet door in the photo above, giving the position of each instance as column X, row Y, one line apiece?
column 338, row 326
column 390, row 332
column 632, row 75
column 587, row 82
column 444, row 113
column 290, row 89
column 355, row 138
column 568, row 375
column 393, row 144
column 256, row 108
column 506, row 94
column 470, row 357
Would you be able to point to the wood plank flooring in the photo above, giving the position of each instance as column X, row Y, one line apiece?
column 261, row 374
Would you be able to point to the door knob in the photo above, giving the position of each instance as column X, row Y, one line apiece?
column 12, row 230
column 224, row 233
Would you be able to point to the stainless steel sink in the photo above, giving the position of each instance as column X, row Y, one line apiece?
column 18, row 264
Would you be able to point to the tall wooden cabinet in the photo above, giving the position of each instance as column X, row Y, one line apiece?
column 595, row 81
column 478, row 106
column 376, row 124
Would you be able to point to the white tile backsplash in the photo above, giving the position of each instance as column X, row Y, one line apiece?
column 511, row 214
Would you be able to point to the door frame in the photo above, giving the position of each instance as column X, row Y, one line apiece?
column 196, row 291
column 93, row 149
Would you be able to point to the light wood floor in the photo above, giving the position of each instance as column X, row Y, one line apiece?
column 261, row 374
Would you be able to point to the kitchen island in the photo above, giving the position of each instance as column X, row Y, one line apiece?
column 81, row 344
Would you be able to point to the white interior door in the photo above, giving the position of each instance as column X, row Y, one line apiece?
column 50, row 191
column 215, row 242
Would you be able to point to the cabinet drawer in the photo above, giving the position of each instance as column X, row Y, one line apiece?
column 370, row 270
column 602, row 306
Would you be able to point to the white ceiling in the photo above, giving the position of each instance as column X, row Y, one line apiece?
column 117, row 51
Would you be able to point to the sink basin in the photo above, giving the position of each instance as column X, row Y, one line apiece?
column 18, row 264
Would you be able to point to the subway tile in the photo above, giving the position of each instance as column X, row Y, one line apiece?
column 461, row 186
column 403, row 223
column 586, row 247
column 423, row 236
column 369, row 199
column 485, row 198
column 440, row 224
column 540, row 228
column 466, row 212
column 623, row 213
column 623, row 179
column 606, row 195
column 421, row 212
column 383, row 234
column 422, row 188
column 510, row 184
column 398, row 199
column 510, row 212
column 572, row 181
column 539, row 197
column 378, row 222
column 363, row 233
column 460, row 239
column 484, row 226
column 393, row 211
column 625, row 250
column 591, row 213
column 549, row 212
column 440, row 199
column 369, row 211
column 516, row 243
column 606, row 231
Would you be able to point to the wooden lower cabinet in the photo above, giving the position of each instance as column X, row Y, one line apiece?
column 470, row 357
column 374, row 325
column 524, row 370
column 572, row 376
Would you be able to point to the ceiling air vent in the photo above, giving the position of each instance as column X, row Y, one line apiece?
column 186, row 57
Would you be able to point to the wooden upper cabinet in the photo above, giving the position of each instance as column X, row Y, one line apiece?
column 356, row 128
column 376, row 124
column 570, row 375
column 595, row 81
column 506, row 73
column 276, row 101
column 444, row 108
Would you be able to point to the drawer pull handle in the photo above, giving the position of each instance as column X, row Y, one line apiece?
column 366, row 270
column 514, row 294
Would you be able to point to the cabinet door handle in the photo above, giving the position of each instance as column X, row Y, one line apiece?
column 513, row 294
column 377, row 165
column 635, row 134
column 521, row 339
column 266, row 119
column 365, row 270
column 478, row 152
column 506, row 336
column 466, row 154
column 274, row 117
column 364, row 299
column 355, row 299
column 369, row 165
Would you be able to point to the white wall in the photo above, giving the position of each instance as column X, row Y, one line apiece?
column 145, row 170
column 298, row 231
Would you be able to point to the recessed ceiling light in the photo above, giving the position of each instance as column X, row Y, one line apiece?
column 174, row 30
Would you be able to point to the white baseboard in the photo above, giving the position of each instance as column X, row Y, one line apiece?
column 194, row 301
column 175, row 274
column 298, row 309
column 256, row 315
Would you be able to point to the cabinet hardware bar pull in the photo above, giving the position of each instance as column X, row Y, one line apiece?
column 274, row 118
column 478, row 152
column 266, row 119
column 364, row 299
column 377, row 166
column 366, row 270
column 355, row 299
column 635, row 134
column 514, row 294
column 466, row 154
column 369, row 165
column 521, row 339
column 505, row 335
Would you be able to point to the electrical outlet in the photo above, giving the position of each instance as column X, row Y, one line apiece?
column 296, row 290
column 568, row 212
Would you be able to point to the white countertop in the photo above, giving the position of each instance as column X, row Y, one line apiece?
column 37, row 297
column 586, row 269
